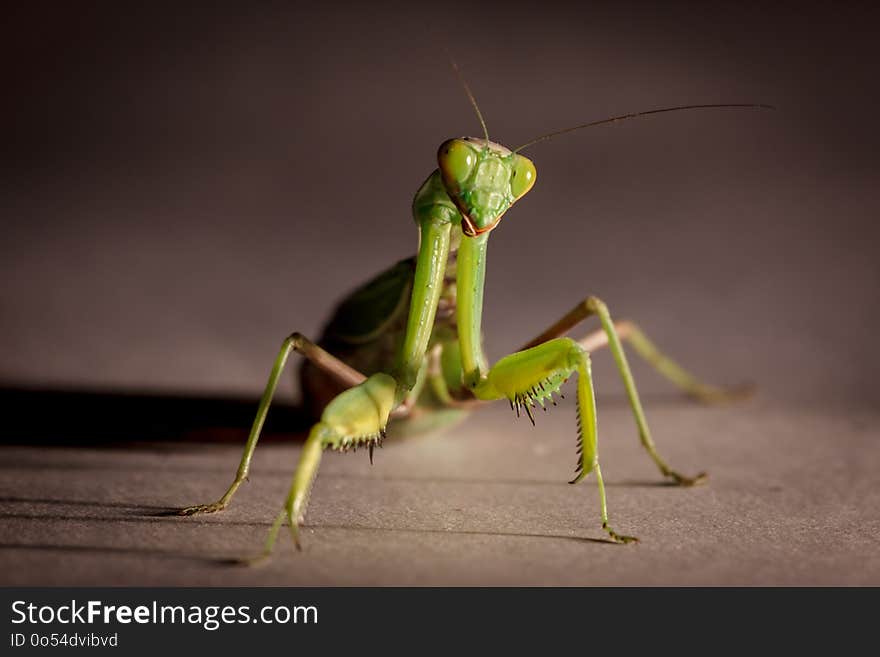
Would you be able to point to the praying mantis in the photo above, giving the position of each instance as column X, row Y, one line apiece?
column 406, row 347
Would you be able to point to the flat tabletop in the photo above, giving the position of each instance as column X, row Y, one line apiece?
column 792, row 499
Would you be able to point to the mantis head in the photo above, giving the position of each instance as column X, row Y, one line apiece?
column 483, row 179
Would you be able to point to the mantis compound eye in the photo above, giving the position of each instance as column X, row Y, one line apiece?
column 457, row 160
column 523, row 176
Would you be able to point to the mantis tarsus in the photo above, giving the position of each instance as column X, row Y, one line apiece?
column 407, row 345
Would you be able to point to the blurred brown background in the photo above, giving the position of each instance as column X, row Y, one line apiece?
column 182, row 188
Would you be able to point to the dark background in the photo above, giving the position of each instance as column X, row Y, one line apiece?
column 183, row 187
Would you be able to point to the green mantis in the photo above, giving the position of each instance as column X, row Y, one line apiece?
column 407, row 346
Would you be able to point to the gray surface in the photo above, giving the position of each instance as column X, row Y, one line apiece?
column 793, row 499
column 184, row 190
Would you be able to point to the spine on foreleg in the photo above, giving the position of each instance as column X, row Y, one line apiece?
column 358, row 416
column 587, row 452
column 355, row 418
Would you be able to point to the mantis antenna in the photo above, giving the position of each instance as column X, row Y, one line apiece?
column 470, row 96
column 623, row 117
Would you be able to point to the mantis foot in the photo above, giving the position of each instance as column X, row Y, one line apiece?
column 681, row 480
column 712, row 395
column 618, row 538
column 287, row 513
column 202, row 508
column 219, row 505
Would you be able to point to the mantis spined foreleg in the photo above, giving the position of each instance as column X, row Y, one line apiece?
column 357, row 416
column 611, row 334
column 529, row 378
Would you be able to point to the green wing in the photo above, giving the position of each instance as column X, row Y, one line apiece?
column 368, row 311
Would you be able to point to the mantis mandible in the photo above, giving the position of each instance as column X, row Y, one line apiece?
column 407, row 345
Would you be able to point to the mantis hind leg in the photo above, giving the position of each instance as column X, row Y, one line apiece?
column 630, row 333
column 295, row 342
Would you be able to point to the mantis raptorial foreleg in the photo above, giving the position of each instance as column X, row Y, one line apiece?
column 326, row 361
column 530, row 377
column 297, row 498
column 355, row 418
column 595, row 306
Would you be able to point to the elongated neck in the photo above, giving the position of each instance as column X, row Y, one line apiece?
column 471, row 276
column 427, row 285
